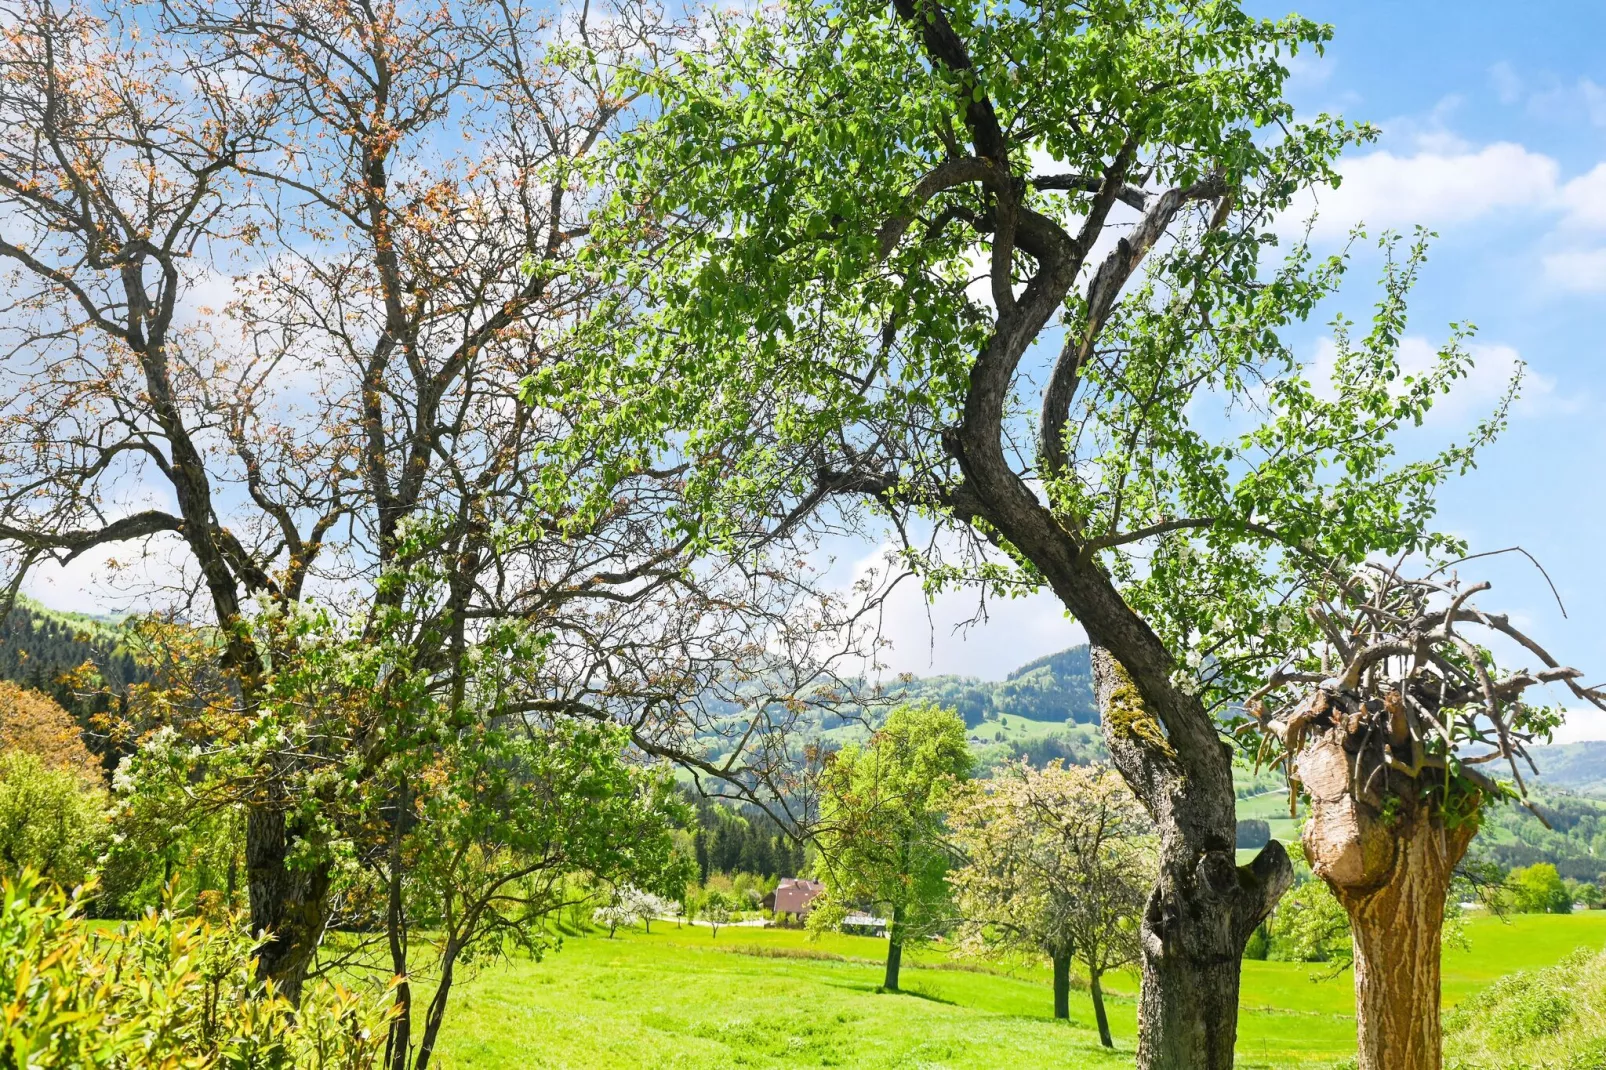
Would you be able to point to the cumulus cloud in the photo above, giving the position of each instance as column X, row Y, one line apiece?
column 1577, row 270
column 1442, row 186
column 1584, row 199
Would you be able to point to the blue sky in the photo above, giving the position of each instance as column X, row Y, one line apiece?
column 1493, row 123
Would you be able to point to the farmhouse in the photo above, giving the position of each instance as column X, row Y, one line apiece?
column 795, row 896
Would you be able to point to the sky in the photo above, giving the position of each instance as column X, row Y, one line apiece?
column 1493, row 133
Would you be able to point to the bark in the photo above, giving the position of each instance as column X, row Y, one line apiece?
column 1062, row 984
column 437, row 1007
column 1204, row 906
column 288, row 904
column 1390, row 866
column 1097, row 990
column 894, row 950
column 398, row 1046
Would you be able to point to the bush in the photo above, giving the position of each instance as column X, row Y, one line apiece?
column 51, row 820
column 161, row 992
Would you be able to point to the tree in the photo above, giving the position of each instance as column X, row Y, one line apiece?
column 347, row 434
column 880, row 829
column 808, row 218
column 477, row 843
column 51, row 822
column 1539, row 889
column 1384, row 723
column 715, row 907
column 36, row 724
column 1055, row 862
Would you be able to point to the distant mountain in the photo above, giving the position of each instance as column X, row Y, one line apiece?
column 1579, row 767
column 1058, row 687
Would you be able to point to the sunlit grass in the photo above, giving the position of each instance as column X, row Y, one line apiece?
column 682, row 998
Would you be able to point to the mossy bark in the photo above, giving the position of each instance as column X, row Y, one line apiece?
column 1204, row 906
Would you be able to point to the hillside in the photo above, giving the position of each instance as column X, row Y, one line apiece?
column 38, row 646
column 1057, row 688
column 1579, row 767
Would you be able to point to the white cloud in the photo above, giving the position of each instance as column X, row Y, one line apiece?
column 1579, row 270
column 1432, row 187
column 1582, row 724
column 946, row 635
column 1584, row 199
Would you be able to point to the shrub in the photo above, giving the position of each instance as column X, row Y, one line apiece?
column 160, row 992
column 51, row 820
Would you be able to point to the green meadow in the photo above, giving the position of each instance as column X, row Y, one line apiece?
column 683, row 999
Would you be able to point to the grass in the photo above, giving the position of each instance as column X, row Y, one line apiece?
column 682, row 999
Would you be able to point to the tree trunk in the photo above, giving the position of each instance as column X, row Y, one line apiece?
column 894, row 950
column 1166, row 745
column 398, row 1045
column 1062, row 984
column 1204, row 906
column 289, row 905
column 1097, row 989
column 436, row 1013
column 1392, row 873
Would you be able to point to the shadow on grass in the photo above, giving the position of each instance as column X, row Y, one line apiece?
column 916, row 993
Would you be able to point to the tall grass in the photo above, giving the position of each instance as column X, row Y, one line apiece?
column 1551, row 1019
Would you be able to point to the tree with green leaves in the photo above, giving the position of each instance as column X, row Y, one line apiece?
column 881, row 830
column 1011, row 273
column 1057, row 862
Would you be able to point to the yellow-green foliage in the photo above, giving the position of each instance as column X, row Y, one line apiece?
column 163, row 992
column 51, row 820
column 1552, row 1019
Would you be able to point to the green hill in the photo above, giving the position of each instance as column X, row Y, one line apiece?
column 1579, row 767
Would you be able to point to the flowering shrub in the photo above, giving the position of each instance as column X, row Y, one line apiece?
column 162, row 992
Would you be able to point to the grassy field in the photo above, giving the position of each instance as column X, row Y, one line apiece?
column 683, row 999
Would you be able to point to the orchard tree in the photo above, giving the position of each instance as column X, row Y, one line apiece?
column 880, row 830
column 1057, row 862
column 286, row 267
column 716, row 908
column 1005, row 276
column 1386, row 723
column 492, row 828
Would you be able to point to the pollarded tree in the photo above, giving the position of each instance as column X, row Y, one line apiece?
column 1008, row 270
column 1057, row 862
column 1385, row 723
column 880, row 829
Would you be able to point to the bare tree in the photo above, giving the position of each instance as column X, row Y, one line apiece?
column 389, row 199
column 1386, row 727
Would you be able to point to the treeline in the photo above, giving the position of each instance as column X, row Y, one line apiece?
column 745, row 839
column 46, row 652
